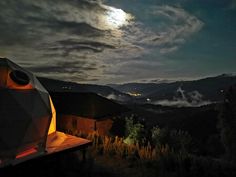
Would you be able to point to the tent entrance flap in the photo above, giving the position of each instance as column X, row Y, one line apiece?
column 52, row 127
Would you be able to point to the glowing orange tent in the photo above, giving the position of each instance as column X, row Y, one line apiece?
column 26, row 113
column 27, row 117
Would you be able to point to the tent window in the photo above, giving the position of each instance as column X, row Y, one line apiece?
column 19, row 77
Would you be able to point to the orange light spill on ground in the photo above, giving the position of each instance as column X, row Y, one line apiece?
column 26, row 153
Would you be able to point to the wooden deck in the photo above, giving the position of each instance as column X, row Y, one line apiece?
column 58, row 142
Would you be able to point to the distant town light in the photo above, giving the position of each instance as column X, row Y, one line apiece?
column 134, row 94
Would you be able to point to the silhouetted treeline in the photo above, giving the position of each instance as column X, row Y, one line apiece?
column 227, row 124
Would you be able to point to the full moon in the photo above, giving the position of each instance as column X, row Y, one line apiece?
column 116, row 18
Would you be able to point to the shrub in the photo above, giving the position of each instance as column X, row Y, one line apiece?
column 134, row 131
column 177, row 139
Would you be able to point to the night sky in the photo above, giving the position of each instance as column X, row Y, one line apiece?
column 117, row 41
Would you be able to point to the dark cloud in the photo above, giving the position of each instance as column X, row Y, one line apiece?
column 64, row 67
column 70, row 71
column 88, row 43
column 24, row 21
column 67, row 46
column 82, row 29
column 15, row 27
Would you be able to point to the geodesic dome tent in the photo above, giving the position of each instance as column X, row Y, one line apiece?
column 27, row 114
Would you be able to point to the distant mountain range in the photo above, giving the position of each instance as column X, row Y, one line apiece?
column 180, row 93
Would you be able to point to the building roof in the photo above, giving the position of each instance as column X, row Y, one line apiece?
column 88, row 105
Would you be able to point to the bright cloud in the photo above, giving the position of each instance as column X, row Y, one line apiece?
column 181, row 25
column 190, row 99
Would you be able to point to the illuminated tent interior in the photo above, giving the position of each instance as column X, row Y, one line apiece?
column 27, row 118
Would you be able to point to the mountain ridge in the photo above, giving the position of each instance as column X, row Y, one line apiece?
column 179, row 93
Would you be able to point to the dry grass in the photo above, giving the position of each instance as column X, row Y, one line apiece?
column 115, row 146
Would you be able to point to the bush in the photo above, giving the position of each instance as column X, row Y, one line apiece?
column 177, row 139
column 134, row 131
